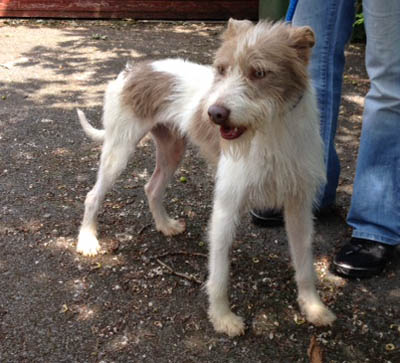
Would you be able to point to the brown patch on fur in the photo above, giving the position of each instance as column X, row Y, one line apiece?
column 236, row 27
column 303, row 39
column 146, row 90
column 225, row 53
column 170, row 143
column 205, row 135
column 279, row 51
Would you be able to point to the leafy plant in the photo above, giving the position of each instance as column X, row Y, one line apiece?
column 359, row 19
column 358, row 25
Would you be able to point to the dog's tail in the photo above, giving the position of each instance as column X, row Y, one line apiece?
column 93, row 133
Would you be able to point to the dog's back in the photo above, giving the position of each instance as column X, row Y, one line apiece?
column 167, row 91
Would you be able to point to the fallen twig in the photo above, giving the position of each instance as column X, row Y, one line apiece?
column 180, row 274
column 177, row 253
column 314, row 351
column 143, row 228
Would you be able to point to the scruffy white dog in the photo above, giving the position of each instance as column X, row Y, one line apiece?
column 254, row 116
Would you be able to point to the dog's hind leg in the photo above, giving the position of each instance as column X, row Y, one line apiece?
column 117, row 148
column 299, row 228
column 170, row 147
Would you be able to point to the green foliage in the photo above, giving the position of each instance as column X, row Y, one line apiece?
column 359, row 19
column 358, row 26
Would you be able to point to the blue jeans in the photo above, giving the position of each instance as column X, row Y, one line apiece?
column 375, row 206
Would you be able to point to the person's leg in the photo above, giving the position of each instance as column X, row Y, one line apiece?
column 375, row 206
column 332, row 23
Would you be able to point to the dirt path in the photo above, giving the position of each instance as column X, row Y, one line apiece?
column 125, row 305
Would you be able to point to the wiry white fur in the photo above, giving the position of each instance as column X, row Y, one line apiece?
column 276, row 163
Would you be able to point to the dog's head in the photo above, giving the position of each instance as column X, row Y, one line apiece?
column 260, row 73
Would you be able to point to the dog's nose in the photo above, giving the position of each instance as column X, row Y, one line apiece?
column 218, row 114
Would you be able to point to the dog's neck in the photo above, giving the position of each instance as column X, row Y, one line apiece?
column 296, row 102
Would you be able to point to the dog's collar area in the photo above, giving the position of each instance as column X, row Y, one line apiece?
column 296, row 103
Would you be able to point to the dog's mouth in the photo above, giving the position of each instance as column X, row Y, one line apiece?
column 231, row 133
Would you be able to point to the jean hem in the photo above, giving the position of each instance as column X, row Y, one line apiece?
column 375, row 237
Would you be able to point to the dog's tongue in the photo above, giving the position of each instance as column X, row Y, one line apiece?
column 231, row 133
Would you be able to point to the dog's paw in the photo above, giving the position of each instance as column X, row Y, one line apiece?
column 319, row 314
column 172, row 227
column 230, row 324
column 88, row 245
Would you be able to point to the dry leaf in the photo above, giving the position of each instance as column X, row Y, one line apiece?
column 314, row 351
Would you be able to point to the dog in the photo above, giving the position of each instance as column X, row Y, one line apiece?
column 253, row 116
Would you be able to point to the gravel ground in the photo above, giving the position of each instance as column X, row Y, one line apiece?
column 141, row 299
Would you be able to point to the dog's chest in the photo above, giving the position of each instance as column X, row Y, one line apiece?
column 263, row 181
column 268, row 181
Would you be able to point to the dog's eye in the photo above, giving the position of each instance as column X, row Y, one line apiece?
column 258, row 74
column 221, row 69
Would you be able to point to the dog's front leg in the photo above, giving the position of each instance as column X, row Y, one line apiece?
column 225, row 217
column 299, row 227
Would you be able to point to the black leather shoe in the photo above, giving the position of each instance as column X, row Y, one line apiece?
column 267, row 218
column 274, row 217
column 362, row 258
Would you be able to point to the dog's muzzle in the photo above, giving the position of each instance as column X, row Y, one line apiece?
column 220, row 116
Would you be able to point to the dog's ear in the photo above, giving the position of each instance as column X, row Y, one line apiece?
column 303, row 39
column 235, row 27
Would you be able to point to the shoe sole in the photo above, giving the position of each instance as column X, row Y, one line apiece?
column 357, row 273
column 278, row 221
